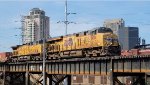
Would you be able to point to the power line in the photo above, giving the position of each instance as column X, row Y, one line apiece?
column 66, row 22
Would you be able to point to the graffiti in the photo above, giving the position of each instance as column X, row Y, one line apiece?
column 68, row 42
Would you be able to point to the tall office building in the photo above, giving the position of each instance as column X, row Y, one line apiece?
column 114, row 24
column 35, row 26
column 128, row 36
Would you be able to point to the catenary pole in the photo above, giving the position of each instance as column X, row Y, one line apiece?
column 44, row 57
column 66, row 18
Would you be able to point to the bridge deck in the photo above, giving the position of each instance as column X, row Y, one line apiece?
column 90, row 66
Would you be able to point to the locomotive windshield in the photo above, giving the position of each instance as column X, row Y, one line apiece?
column 100, row 30
column 104, row 30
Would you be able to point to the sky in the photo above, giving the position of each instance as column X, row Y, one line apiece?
column 89, row 14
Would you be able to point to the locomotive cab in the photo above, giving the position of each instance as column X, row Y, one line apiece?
column 111, row 43
column 106, row 41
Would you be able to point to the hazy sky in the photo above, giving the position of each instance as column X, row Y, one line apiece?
column 90, row 13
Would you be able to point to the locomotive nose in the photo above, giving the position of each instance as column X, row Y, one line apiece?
column 109, row 41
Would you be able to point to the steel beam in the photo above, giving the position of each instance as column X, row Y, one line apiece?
column 4, row 77
column 50, row 79
column 36, row 78
column 111, row 73
column 145, row 78
column 27, row 78
column 86, row 66
column 69, row 79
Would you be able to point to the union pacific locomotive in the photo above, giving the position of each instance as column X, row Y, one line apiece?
column 98, row 42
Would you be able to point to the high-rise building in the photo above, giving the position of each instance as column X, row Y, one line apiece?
column 128, row 36
column 114, row 24
column 35, row 26
column 143, row 42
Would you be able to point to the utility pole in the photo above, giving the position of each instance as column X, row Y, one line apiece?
column 66, row 16
column 44, row 56
column 66, row 22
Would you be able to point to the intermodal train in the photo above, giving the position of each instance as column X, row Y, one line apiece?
column 137, row 50
column 98, row 42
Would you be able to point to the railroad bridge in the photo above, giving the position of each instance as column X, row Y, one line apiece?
column 58, row 70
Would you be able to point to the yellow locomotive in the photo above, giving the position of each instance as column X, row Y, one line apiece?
column 97, row 42
column 30, row 51
column 93, row 43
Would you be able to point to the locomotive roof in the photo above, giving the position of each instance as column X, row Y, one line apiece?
column 55, row 38
column 97, row 29
column 15, row 47
column 104, row 29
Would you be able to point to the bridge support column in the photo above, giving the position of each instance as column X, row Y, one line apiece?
column 111, row 73
column 27, row 78
column 145, row 78
column 4, row 77
column 112, row 80
column 69, row 79
column 50, row 79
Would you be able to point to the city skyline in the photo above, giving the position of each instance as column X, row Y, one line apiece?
column 91, row 14
column 128, row 36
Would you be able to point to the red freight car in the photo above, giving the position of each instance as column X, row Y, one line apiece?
column 4, row 56
column 130, row 52
column 138, row 50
